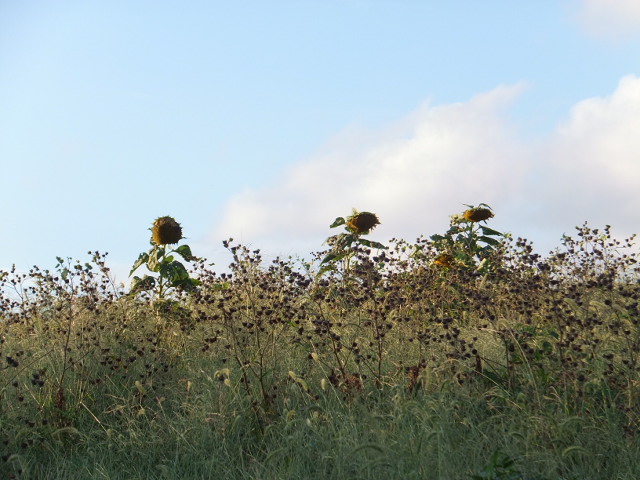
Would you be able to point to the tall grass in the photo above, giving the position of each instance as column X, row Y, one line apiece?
column 399, row 367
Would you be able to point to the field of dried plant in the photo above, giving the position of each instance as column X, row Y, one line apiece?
column 459, row 356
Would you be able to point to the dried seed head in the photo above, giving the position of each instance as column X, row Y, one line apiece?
column 361, row 223
column 478, row 214
column 166, row 231
column 60, row 401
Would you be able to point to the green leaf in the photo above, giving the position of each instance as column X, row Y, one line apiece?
column 298, row 380
column 332, row 257
column 142, row 259
column 494, row 377
column 490, row 241
column 325, row 269
column 337, row 222
column 141, row 284
column 485, row 251
column 490, row 231
column 155, row 259
column 174, row 272
column 187, row 284
column 185, row 252
column 437, row 238
column 574, row 448
column 372, row 244
column 347, row 240
column 341, row 241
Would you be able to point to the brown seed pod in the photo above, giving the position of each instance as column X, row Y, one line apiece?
column 361, row 223
column 478, row 214
column 166, row 231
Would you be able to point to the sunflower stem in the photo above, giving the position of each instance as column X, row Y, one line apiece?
column 160, row 276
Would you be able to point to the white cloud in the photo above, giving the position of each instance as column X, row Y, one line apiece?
column 610, row 18
column 418, row 171
column 593, row 166
column 413, row 174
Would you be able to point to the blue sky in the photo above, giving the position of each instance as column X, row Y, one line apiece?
column 266, row 120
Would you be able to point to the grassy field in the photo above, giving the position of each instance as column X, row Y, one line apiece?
column 392, row 364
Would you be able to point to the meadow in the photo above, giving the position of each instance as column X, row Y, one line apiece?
column 457, row 356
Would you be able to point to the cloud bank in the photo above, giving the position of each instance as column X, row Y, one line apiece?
column 424, row 167
column 593, row 161
column 610, row 18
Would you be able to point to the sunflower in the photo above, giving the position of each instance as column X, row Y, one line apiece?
column 166, row 231
column 477, row 214
column 444, row 260
column 361, row 223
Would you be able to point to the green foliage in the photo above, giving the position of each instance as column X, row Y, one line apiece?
column 271, row 371
column 344, row 246
column 501, row 467
column 469, row 244
column 171, row 273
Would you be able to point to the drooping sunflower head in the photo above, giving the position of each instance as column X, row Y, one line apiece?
column 478, row 214
column 444, row 260
column 362, row 222
column 166, row 231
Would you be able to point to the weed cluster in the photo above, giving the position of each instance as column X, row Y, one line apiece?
column 471, row 312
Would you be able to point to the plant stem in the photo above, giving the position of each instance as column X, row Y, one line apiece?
column 160, row 278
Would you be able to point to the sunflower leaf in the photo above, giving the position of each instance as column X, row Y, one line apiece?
column 331, row 257
column 155, row 260
column 325, row 269
column 185, row 252
column 187, row 284
column 337, row 222
column 142, row 259
column 489, row 240
column 372, row 244
column 141, row 284
column 174, row 271
column 490, row 231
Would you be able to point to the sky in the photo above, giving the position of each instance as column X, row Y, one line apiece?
column 266, row 120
